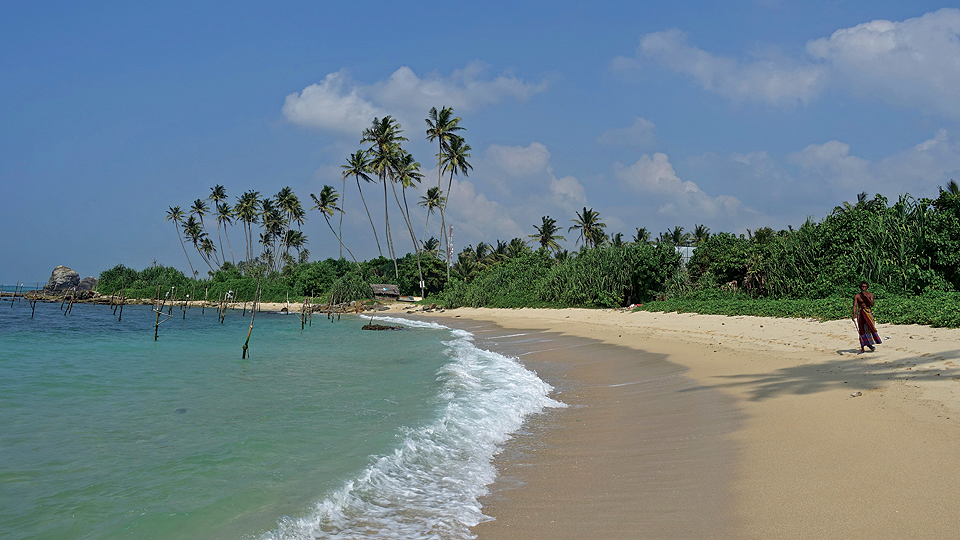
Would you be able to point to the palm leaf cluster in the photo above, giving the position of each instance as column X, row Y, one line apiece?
column 276, row 218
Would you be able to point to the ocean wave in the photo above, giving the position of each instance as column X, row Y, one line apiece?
column 429, row 486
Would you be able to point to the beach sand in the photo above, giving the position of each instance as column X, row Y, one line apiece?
column 701, row 426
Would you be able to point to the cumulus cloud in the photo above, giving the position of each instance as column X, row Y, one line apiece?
column 339, row 103
column 654, row 177
column 776, row 79
column 916, row 170
column 519, row 160
column 913, row 62
column 910, row 63
column 639, row 134
column 335, row 103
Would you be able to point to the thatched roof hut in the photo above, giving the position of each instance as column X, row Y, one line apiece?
column 385, row 291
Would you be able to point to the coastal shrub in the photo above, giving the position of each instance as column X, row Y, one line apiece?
column 510, row 284
column 934, row 308
column 610, row 276
column 349, row 288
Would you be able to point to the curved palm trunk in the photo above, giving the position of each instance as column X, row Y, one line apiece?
column 343, row 202
column 342, row 245
column 193, row 272
column 426, row 225
column 443, row 218
column 368, row 217
column 405, row 210
column 386, row 215
column 232, row 259
column 220, row 240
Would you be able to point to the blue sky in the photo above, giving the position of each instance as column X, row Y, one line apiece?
column 734, row 115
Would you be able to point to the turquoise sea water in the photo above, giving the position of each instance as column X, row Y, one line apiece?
column 327, row 432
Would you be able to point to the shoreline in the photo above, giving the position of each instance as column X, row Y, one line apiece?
column 812, row 458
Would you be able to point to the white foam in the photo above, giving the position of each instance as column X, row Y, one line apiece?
column 428, row 487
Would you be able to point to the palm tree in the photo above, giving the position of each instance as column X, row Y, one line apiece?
column 175, row 214
column 617, row 240
column 248, row 213
column 516, row 248
column 384, row 137
column 676, row 237
column 194, row 232
column 358, row 165
column 218, row 193
column 642, row 236
column 225, row 217
column 407, row 172
column 432, row 246
column 431, row 201
column 547, row 234
column 454, row 161
column 327, row 205
column 291, row 209
column 200, row 209
column 590, row 227
column 952, row 188
column 442, row 127
column 701, row 233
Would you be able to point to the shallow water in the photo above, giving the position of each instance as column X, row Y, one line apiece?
column 328, row 432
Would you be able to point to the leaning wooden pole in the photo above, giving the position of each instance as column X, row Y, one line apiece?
column 253, row 313
column 123, row 300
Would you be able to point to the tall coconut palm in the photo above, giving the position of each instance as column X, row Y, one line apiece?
column 384, row 138
column 516, row 248
column 225, row 217
column 442, row 127
column 290, row 209
column 217, row 194
column 194, row 232
column 431, row 201
column 358, row 165
column 200, row 209
column 248, row 212
column 590, row 227
column 642, row 236
column 327, row 205
column 407, row 173
column 454, row 161
column 175, row 214
column 952, row 188
column 547, row 234
column 701, row 233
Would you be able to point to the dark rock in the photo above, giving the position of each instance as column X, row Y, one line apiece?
column 62, row 278
column 87, row 284
column 380, row 327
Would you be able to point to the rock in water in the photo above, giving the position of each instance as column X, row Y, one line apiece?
column 62, row 278
column 88, row 284
column 380, row 327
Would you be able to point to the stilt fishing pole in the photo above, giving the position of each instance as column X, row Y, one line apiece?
column 253, row 313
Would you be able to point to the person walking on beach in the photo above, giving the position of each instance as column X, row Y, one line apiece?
column 862, row 315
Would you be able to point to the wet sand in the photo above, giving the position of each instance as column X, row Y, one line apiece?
column 690, row 426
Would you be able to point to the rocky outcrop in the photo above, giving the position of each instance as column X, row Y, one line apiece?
column 62, row 278
column 87, row 284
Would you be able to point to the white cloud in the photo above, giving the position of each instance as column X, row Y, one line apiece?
column 915, row 62
column 917, row 170
column 334, row 103
column 654, row 177
column 519, row 160
column 639, row 134
column 832, row 161
column 339, row 103
column 774, row 79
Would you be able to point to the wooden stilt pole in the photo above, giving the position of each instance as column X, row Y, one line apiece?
column 253, row 313
column 123, row 300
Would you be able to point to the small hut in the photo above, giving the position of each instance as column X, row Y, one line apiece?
column 385, row 291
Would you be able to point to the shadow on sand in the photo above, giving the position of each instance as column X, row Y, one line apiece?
column 839, row 373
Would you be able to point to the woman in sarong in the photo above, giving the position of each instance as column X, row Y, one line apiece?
column 862, row 314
